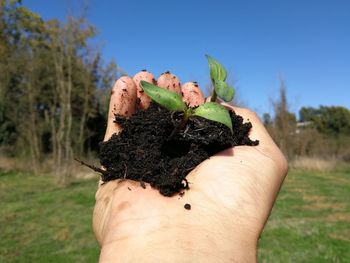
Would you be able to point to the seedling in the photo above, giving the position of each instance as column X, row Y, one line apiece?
column 218, row 76
column 209, row 110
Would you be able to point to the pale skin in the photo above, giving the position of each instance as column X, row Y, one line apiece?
column 231, row 196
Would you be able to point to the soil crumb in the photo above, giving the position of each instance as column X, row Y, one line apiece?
column 145, row 152
column 187, row 206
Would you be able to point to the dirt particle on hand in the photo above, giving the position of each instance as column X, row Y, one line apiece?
column 187, row 206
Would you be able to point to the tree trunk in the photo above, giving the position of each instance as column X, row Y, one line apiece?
column 33, row 130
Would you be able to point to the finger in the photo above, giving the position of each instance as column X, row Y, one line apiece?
column 144, row 99
column 170, row 82
column 123, row 102
column 192, row 94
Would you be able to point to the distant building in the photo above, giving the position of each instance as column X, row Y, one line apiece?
column 302, row 125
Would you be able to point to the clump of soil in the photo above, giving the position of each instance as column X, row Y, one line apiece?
column 148, row 151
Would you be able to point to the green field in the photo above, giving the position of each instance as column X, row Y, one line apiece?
column 40, row 222
column 310, row 221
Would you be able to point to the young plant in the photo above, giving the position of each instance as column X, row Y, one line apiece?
column 173, row 101
column 209, row 110
column 218, row 76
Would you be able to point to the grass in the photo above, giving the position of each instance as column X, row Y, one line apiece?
column 40, row 222
column 310, row 221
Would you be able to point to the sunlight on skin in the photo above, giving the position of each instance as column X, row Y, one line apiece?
column 141, row 95
column 170, row 82
column 192, row 94
column 231, row 196
column 122, row 102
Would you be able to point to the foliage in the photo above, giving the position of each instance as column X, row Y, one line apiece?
column 170, row 100
column 328, row 120
column 323, row 132
column 267, row 119
column 217, row 71
column 215, row 112
column 50, row 86
column 307, row 114
column 173, row 101
column 209, row 110
column 218, row 76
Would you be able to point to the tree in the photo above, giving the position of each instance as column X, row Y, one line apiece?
column 74, row 88
column 307, row 114
column 332, row 125
column 267, row 119
column 20, row 36
column 333, row 120
column 50, row 86
column 284, row 123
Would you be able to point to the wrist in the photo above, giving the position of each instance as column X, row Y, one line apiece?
column 167, row 250
column 171, row 239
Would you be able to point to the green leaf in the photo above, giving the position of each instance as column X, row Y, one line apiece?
column 224, row 91
column 217, row 71
column 166, row 98
column 215, row 112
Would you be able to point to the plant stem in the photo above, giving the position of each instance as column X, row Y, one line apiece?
column 213, row 95
column 182, row 124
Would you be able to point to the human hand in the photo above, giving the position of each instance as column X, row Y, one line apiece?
column 231, row 195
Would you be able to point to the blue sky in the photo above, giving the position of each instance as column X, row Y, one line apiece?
column 306, row 42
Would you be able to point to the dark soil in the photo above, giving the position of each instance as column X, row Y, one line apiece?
column 145, row 152
column 187, row 206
